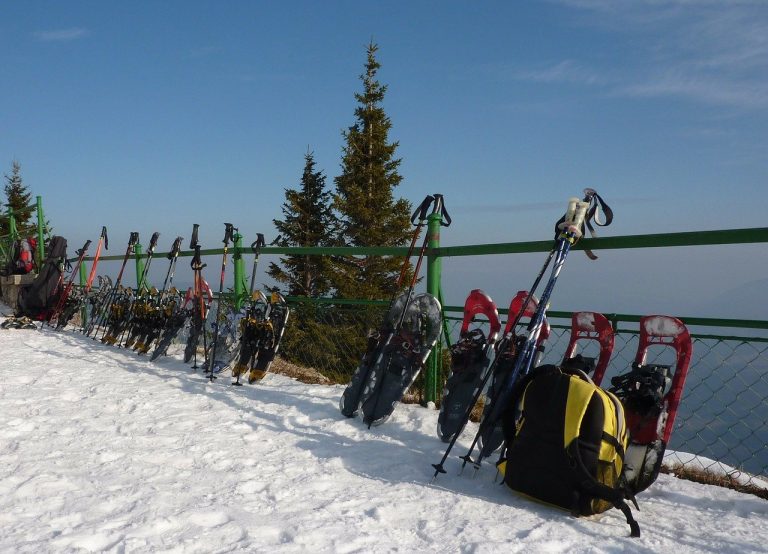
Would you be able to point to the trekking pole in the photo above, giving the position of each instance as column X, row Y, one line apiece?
column 438, row 207
column 98, row 321
column 570, row 232
column 103, row 240
column 595, row 203
column 256, row 246
column 197, row 266
column 229, row 230
column 465, row 418
column 68, row 288
column 149, row 254
column 172, row 256
column 350, row 399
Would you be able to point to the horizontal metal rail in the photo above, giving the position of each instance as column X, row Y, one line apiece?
column 660, row 240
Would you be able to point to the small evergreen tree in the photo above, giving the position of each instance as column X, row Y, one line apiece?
column 370, row 215
column 311, row 338
column 18, row 198
column 308, row 220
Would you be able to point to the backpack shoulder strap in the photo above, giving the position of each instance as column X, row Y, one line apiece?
column 595, row 488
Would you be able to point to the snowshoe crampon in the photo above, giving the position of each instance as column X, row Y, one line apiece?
column 470, row 359
column 18, row 323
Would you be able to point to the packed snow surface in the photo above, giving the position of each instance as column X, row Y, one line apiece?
column 102, row 450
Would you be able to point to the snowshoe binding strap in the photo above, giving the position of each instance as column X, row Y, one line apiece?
column 583, row 363
column 643, row 388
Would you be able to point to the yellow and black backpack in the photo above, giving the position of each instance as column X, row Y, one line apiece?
column 565, row 443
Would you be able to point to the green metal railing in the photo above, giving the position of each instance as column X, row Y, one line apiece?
column 435, row 252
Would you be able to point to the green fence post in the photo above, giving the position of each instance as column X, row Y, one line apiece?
column 237, row 259
column 433, row 288
column 40, row 233
column 139, row 265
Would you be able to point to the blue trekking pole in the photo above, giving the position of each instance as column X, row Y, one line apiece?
column 569, row 230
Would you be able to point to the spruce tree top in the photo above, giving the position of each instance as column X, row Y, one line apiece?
column 370, row 214
column 18, row 197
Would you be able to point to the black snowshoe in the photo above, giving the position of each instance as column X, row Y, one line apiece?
column 401, row 359
column 349, row 404
column 470, row 359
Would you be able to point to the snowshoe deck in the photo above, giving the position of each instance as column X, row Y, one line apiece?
column 169, row 333
column 591, row 326
column 278, row 318
column 402, row 359
column 254, row 328
column 470, row 358
column 349, row 404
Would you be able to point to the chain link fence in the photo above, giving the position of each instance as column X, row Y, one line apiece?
column 721, row 425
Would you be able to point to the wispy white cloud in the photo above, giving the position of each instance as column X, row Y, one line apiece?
column 707, row 89
column 708, row 51
column 61, row 35
column 566, row 71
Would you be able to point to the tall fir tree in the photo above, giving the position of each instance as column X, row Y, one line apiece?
column 369, row 213
column 308, row 220
column 17, row 198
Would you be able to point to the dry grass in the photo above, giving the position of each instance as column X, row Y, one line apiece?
column 417, row 397
column 710, row 478
column 307, row 375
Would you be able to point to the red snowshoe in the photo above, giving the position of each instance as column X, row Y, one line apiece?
column 651, row 395
column 590, row 326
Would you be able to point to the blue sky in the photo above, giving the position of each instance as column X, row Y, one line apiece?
column 151, row 116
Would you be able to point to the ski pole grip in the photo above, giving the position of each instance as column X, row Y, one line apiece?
column 84, row 249
column 258, row 243
column 228, row 232
column 176, row 248
column 579, row 214
column 193, row 240
column 196, row 262
column 133, row 238
column 421, row 212
column 104, row 236
column 153, row 242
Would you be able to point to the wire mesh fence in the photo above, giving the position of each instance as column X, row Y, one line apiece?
column 722, row 422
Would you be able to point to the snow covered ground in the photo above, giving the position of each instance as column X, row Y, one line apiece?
column 101, row 450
